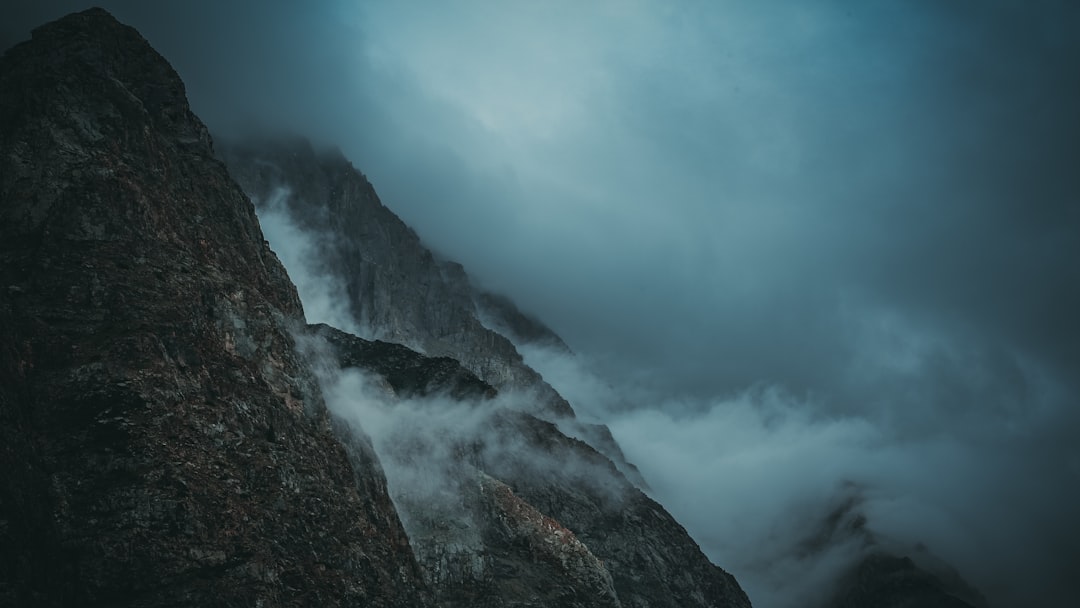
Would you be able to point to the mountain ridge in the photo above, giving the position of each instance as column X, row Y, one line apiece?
column 168, row 434
column 173, row 433
column 160, row 436
column 430, row 303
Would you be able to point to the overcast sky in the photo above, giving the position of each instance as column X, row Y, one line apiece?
column 870, row 207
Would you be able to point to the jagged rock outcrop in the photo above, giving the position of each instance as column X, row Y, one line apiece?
column 502, row 314
column 163, row 443
column 160, row 441
column 396, row 287
column 521, row 514
column 883, row 574
column 883, row 580
column 407, row 373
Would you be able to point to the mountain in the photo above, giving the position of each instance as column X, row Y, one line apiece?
column 885, row 573
column 474, row 549
column 162, row 444
column 166, row 441
column 885, row 580
column 174, row 433
column 527, row 452
column 395, row 287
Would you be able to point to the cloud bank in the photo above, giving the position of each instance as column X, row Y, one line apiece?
column 756, row 475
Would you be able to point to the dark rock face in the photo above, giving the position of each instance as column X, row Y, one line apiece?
column 408, row 373
column 884, row 574
column 161, row 444
column 887, row 581
column 652, row 560
column 502, row 314
column 396, row 287
column 480, row 543
column 521, row 514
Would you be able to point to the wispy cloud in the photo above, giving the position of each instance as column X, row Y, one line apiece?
column 754, row 475
column 322, row 293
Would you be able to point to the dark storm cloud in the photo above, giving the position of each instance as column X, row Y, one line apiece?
column 735, row 175
column 871, row 208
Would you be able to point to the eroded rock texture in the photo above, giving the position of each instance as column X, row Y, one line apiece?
column 395, row 287
column 504, row 509
column 160, row 442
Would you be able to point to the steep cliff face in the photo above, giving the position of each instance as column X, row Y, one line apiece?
column 502, row 315
column 503, row 509
column 396, row 288
column 884, row 580
column 881, row 573
column 161, row 444
column 476, row 549
column 495, row 495
column 480, row 543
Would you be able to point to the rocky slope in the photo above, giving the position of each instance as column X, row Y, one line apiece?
column 503, row 316
column 884, row 580
column 884, row 574
column 395, row 287
column 649, row 557
column 521, row 514
column 165, row 434
column 165, row 444
column 161, row 443
column 399, row 291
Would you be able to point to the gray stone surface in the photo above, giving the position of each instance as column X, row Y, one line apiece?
column 519, row 514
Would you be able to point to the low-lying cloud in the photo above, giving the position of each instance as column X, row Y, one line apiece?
column 323, row 294
column 754, row 475
column 436, row 450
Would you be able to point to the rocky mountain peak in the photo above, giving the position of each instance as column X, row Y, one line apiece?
column 93, row 48
column 173, row 433
column 161, row 441
column 396, row 288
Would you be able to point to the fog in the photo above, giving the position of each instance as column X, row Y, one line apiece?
column 323, row 294
column 754, row 476
column 795, row 245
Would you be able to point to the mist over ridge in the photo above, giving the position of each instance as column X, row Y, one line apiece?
column 757, row 475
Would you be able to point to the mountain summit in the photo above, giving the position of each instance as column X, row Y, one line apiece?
column 165, row 438
column 534, row 507
column 162, row 444
column 173, row 432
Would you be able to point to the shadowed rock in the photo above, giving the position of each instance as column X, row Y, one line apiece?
column 510, row 511
column 160, row 442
